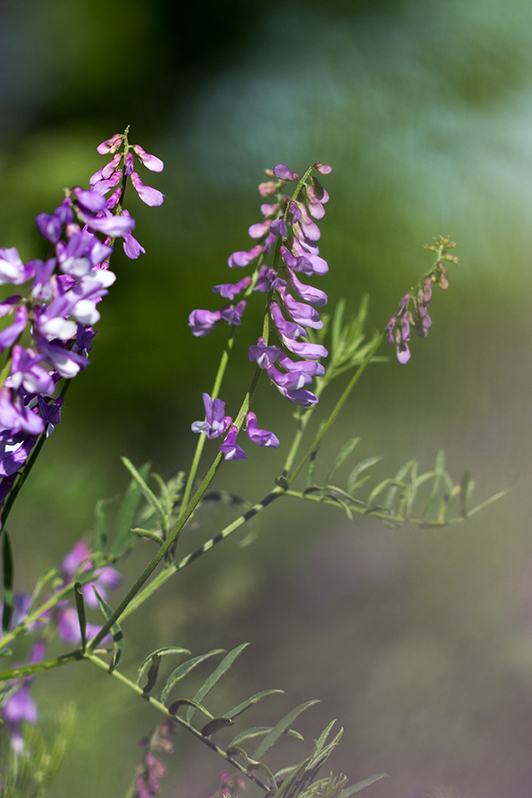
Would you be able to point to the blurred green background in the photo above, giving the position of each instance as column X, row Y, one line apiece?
column 419, row 642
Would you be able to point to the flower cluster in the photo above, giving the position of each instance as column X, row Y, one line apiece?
column 19, row 706
column 414, row 306
column 217, row 423
column 75, row 564
column 288, row 228
column 147, row 781
column 229, row 785
column 58, row 308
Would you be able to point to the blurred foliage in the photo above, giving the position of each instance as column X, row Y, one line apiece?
column 424, row 111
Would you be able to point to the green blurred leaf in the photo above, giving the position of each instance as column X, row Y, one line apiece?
column 116, row 632
column 352, row 483
column 181, row 671
column 249, row 702
column 161, row 652
column 188, row 702
column 279, row 728
column 122, row 537
column 360, row 785
column 80, row 607
column 342, row 456
column 208, row 685
column 215, row 725
column 8, row 573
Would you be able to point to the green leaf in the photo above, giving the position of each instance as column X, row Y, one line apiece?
column 361, row 784
column 224, row 665
column 8, row 571
column 260, row 731
column 184, row 669
column 116, row 631
column 466, row 487
column 279, row 728
column 249, row 702
column 148, row 534
column 122, row 535
column 80, row 607
column 101, row 531
column 161, row 652
column 45, row 577
column 215, row 725
column 175, row 706
column 358, row 469
column 342, row 456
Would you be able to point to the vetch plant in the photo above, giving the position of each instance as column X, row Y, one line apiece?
column 299, row 351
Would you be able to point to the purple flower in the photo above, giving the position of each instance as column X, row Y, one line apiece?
column 304, row 349
column 216, row 422
column 399, row 330
column 15, row 416
column 286, row 329
column 264, row 355
column 278, row 228
column 151, row 162
column 306, row 292
column 232, row 314
column 231, row 290
column 14, row 451
column 50, row 413
column 10, row 334
column 300, row 312
column 20, row 707
column 203, row 321
column 110, row 145
column 282, row 172
column 229, row 448
column 148, row 195
column 25, row 371
column 242, row 258
column 132, row 248
column 68, row 627
column 79, row 560
column 259, row 436
column 12, row 269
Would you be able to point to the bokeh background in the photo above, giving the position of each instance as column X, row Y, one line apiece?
column 419, row 642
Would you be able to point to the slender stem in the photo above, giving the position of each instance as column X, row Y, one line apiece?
column 39, row 667
column 339, row 404
column 163, row 577
column 201, row 440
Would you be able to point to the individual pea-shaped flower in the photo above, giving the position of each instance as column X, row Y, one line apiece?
column 229, row 448
column 259, row 436
column 216, row 422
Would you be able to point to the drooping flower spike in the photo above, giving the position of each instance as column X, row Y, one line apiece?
column 290, row 225
column 414, row 307
column 59, row 304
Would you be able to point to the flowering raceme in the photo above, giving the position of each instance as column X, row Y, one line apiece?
column 288, row 229
column 58, row 301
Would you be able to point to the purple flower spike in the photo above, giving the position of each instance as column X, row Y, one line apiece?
column 203, row 321
column 282, row 172
column 260, row 436
column 229, row 448
column 150, row 196
column 216, row 423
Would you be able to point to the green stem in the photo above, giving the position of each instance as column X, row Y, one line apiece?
column 339, row 404
column 201, row 440
column 163, row 577
column 39, row 667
